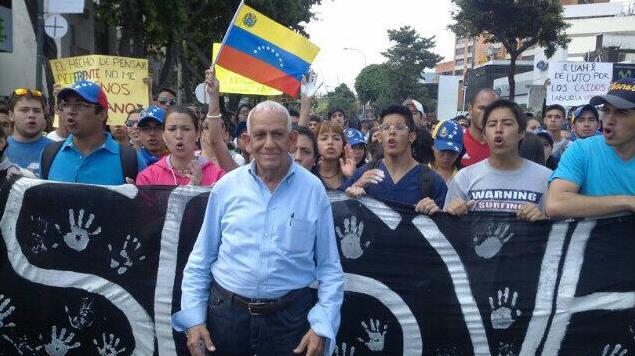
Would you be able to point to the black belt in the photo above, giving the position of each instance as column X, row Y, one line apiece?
column 258, row 306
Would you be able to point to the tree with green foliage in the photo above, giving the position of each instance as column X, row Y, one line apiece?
column 407, row 59
column 518, row 25
column 370, row 82
column 342, row 97
column 184, row 31
column 400, row 77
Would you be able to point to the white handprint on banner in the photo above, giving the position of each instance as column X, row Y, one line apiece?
column 344, row 350
column 60, row 344
column 37, row 236
column 350, row 240
column 6, row 309
column 127, row 256
column 109, row 348
column 616, row 350
column 85, row 316
column 78, row 237
column 489, row 242
column 376, row 335
column 22, row 345
column 505, row 312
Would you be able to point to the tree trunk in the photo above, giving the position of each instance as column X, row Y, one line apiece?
column 511, row 76
column 171, row 55
column 132, row 29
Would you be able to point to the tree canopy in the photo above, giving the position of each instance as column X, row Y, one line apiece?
column 400, row 77
column 342, row 97
column 184, row 31
column 517, row 25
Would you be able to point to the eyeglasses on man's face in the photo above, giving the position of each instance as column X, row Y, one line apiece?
column 398, row 127
column 164, row 100
column 79, row 106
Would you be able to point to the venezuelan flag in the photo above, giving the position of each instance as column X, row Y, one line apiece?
column 265, row 51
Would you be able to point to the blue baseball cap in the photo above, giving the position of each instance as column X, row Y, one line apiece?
column 89, row 91
column 151, row 113
column 354, row 137
column 449, row 137
column 544, row 133
column 583, row 108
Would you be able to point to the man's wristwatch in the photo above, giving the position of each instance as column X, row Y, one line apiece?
column 210, row 116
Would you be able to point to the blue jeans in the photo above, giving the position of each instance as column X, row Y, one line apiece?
column 234, row 331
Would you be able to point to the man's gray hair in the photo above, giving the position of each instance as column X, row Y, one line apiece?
column 270, row 106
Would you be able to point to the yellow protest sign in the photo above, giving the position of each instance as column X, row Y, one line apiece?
column 120, row 77
column 233, row 83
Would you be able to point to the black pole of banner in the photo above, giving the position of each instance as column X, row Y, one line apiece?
column 40, row 44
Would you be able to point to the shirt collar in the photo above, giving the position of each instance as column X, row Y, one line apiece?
column 110, row 144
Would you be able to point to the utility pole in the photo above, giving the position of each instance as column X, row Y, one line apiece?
column 39, row 38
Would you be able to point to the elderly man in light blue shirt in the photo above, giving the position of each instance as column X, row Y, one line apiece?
column 267, row 235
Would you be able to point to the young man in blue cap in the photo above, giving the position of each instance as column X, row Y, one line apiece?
column 150, row 135
column 89, row 154
column 586, row 121
column 356, row 139
column 448, row 145
column 595, row 176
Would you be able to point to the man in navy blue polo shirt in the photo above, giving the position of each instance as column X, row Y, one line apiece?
column 398, row 177
column 89, row 154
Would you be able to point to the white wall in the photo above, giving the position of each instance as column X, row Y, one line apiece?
column 18, row 68
column 448, row 98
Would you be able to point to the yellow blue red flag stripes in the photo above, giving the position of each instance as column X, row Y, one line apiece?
column 265, row 51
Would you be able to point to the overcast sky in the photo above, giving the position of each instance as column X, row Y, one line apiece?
column 363, row 25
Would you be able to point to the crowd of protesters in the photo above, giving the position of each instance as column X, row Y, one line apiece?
column 563, row 163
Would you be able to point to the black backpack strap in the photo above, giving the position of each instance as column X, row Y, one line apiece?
column 425, row 181
column 129, row 165
column 48, row 155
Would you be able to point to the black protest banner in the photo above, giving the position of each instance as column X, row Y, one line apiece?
column 95, row 270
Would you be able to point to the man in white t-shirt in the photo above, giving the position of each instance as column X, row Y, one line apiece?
column 504, row 182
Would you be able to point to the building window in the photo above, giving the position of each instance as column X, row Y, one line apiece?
column 459, row 51
column 470, row 49
column 459, row 62
column 458, row 72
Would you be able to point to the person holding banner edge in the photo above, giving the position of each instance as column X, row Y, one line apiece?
column 504, row 182
column 595, row 175
column 261, row 219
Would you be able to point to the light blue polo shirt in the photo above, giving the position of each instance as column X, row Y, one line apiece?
column 101, row 166
column 595, row 166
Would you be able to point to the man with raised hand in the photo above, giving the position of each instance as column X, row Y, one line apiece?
column 267, row 235
column 504, row 182
column 596, row 176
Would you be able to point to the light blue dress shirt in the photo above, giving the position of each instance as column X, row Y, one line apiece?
column 260, row 244
column 100, row 166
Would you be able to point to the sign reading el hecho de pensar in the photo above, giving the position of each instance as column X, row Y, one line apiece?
column 120, row 77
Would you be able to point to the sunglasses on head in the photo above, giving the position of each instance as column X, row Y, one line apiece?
column 163, row 100
column 24, row 91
